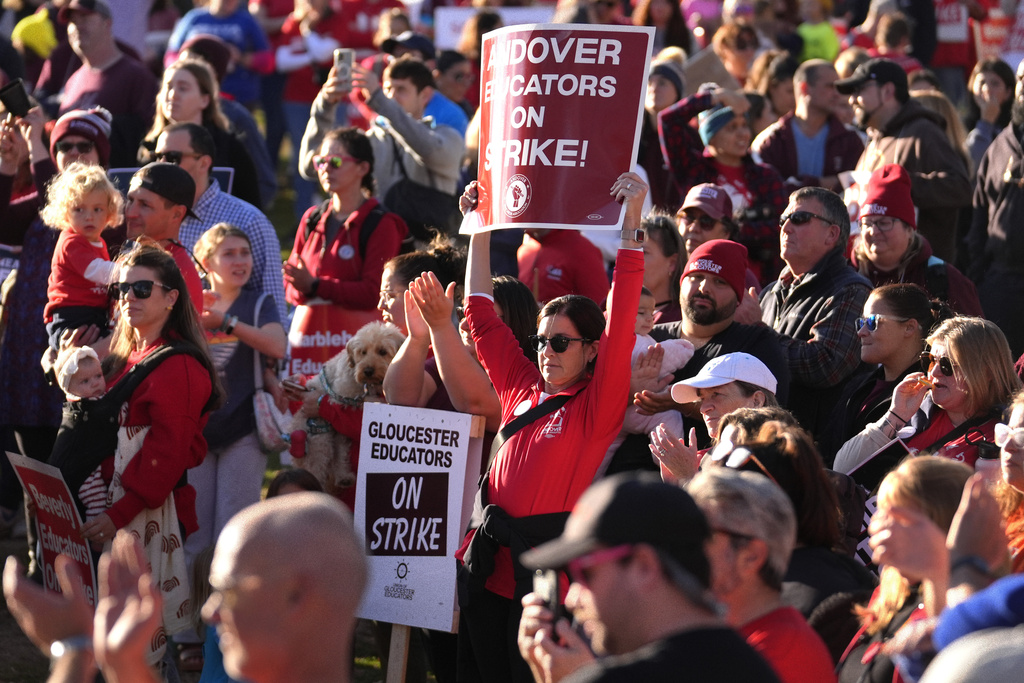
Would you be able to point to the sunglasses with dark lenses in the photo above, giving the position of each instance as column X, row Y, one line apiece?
column 334, row 162
column 83, row 147
column 928, row 361
column 801, row 218
column 143, row 289
column 559, row 343
column 871, row 321
column 173, row 157
column 704, row 222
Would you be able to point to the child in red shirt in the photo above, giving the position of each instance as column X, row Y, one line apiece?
column 80, row 202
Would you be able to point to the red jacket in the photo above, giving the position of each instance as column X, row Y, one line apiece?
column 352, row 282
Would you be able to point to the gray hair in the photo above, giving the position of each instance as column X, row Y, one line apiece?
column 833, row 207
column 749, row 504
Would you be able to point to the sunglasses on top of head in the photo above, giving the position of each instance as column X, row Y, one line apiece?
column 559, row 343
column 928, row 361
column 143, row 289
column 801, row 218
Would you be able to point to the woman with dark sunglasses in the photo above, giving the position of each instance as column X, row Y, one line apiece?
column 950, row 408
column 896, row 319
column 161, row 429
column 538, row 473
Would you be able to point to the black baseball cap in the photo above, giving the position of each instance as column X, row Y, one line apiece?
column 171, row 182
column 879, row 70
column 631, row 508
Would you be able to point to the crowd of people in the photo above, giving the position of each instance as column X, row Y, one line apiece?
column 773, row 431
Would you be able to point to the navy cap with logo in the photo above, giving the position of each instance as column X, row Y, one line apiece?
column 631, row 508
column 881, row 71
column 171, row 182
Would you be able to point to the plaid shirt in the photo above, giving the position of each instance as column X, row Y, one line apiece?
column 215, row 207
column 691, row 165
column 815, row 316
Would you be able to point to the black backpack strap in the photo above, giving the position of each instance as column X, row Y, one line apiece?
column 125, row 387
column 370, row 224
column 313, row 219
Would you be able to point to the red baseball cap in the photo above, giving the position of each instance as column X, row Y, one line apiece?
column 709, row 198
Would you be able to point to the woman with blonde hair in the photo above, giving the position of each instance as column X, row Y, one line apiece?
column 189, row 94
column 922, row 485
column 949, row 409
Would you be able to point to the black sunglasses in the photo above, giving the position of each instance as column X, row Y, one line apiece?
column 174, row 157
column 928, row 361
column 83, row 147
column 705, row 222
column 559, row 343
column 801, row 218
column 143, row 289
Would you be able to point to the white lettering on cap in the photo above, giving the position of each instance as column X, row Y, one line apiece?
column 710, row 192
column 707, row 265
column 874, row 210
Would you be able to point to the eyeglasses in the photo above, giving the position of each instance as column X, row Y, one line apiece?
column 334, row 162
column 801, row 218
column 871, row 321
column 175, row 158
column 559, row 343
column 1005, row 434
column 143, row 289
column 578, row 567
column 879, row 224
column 928, row 361
column 83, row 147
column 704, row 222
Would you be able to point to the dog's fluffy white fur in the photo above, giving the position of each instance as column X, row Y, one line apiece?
column 357, row 372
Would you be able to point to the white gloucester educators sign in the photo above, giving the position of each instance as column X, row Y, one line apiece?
column 414, row 493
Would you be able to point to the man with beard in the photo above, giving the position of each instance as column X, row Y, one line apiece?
column 814, row 303
column 901, row 131
column 995, row 246
column 711, row 289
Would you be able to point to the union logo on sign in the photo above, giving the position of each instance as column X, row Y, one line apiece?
column 518, row 193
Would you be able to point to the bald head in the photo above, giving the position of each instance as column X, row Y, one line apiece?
column 288, row 575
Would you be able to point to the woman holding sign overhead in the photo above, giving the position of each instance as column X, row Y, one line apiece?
column 558, row 418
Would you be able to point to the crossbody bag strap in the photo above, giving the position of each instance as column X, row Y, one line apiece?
column 257, row 374
column 967, row 426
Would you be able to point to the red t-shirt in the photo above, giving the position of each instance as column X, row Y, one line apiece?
column 67, row 284
column 563, row 262
column 793, row 648
column 188, row 271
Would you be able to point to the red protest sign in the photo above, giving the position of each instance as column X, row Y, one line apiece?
column 57, row 521
column 560, row 116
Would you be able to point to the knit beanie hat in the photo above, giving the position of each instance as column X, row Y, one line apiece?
column 91, row 124
column 724, row 258
column 888, row 194
column 672, row 72
column 714, row 119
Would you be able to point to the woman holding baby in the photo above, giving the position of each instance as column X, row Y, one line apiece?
column 160, row 434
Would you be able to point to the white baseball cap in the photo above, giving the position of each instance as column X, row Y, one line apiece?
column 731, row 367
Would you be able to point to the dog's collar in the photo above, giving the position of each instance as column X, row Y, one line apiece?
column 317, row 425
column 350, row 401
